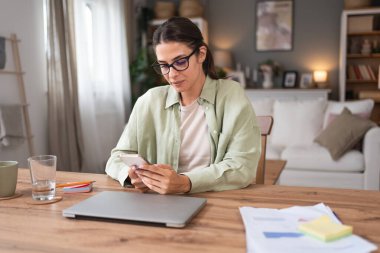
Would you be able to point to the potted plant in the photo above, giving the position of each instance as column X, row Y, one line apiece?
column 142, row 75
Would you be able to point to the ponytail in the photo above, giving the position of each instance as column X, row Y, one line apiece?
column 208, row 64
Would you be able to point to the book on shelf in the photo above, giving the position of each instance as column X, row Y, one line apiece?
column 360, row 72
column 371, row 72
column 364, row 72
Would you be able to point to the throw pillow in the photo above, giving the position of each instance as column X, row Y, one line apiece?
column 332, row 116
column 360, row 107
column 343, row 133
column 297, row 123
column 263, row 107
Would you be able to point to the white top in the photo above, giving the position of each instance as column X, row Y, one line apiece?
column 195, row 150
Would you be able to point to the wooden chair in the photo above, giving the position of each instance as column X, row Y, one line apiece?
column 265, row 123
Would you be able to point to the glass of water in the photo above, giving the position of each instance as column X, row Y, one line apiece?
column 42, row 173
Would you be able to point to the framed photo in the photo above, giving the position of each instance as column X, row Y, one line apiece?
column 237, row 76
column 306, row 80
column 290, row 79
column 274, row 25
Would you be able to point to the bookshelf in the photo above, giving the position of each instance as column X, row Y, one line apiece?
column 359, row 64
column 358, row 71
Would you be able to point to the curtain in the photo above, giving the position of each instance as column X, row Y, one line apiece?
column 103, row 77
column 64, row 128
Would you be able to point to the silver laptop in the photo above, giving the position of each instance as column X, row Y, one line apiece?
column 170, row 210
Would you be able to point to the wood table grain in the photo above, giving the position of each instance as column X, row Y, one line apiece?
column 217, row 228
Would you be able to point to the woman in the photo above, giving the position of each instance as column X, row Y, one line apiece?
column 199, row 133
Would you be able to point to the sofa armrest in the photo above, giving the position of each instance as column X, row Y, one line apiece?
column 371, row 151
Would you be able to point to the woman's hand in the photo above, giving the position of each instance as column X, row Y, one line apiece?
column 136, row 180
column 163, row 179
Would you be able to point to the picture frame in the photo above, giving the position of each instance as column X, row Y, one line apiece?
column 237, row 76
column 274, row 25
column 306, row 80
column 290, row 79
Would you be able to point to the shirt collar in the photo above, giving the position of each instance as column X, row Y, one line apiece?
column 207, row 94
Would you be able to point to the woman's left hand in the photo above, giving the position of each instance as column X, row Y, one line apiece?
column 163, row 179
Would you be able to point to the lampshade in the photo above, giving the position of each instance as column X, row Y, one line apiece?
column 320, row 76
column 223, row 58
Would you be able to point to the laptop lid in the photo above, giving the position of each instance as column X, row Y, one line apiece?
column 171, row 210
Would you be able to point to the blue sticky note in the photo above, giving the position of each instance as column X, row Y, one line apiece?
column 282, row 234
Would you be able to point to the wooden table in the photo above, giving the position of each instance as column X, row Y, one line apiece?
column 217, row 228
column 273, row 169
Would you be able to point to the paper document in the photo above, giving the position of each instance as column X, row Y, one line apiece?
column 276, row 230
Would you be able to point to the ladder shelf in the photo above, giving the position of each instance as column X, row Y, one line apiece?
column 17, row 71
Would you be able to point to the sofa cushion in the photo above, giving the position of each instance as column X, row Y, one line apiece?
column 317, row 158
column 263, row 107
column 362, row 108
column 343, row 133
column 297, row 122
column 273, row 152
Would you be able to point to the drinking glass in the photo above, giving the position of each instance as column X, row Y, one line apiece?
column 42, row 173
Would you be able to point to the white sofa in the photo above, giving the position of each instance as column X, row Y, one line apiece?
column 297, row 123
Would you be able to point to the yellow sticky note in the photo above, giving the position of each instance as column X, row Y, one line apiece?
column 325, row 229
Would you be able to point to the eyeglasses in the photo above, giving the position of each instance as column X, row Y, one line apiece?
column 179, row 65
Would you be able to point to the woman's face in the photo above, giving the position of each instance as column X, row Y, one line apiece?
column 188, row 79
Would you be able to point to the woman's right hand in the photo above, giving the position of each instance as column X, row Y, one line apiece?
column 136, row 180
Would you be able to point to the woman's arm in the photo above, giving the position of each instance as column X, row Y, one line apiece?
column 235, row 165
column 127, row 143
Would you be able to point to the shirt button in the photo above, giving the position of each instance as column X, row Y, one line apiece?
column 215, row 132
column 206, row 107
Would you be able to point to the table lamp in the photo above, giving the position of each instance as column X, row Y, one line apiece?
column 320, row 78
column 223, row 59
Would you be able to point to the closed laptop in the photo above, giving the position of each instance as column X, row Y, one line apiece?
column 170, row 210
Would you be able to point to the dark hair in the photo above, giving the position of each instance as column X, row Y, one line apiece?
column 179, row 29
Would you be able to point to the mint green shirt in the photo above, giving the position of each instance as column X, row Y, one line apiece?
column 153, row 132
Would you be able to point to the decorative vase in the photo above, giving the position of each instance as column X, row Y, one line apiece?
column 190, row 8
column 268, row 81
column 267, row 71
column 164, row 10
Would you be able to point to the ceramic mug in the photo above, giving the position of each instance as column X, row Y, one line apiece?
column 8, row 178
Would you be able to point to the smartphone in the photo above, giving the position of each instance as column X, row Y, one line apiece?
column 133, row 160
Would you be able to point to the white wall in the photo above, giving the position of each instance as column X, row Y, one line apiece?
column 25, row 18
